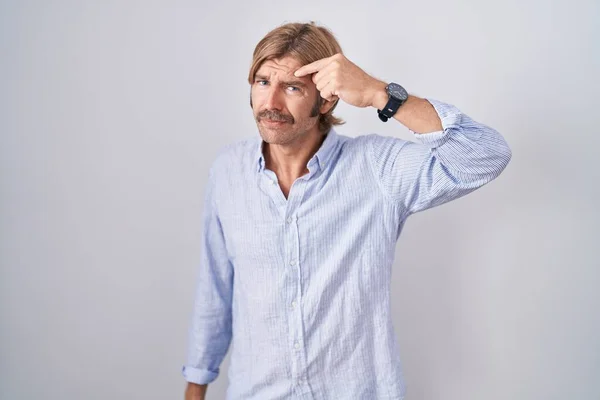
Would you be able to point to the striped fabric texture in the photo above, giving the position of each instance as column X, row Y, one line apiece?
column 299, row 288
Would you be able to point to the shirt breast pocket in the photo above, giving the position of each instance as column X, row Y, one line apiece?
column 257, row 245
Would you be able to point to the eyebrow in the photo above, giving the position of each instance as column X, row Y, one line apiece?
column 286, row 83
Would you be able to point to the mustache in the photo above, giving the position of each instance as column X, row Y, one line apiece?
column 275, row 116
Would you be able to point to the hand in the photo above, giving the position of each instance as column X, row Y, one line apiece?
column 337, row 77
column 195, row 392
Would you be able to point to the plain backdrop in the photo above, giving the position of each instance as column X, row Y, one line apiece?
column 111, row 113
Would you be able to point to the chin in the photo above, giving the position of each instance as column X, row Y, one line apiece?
column 271, row 131
column 266, row 134
column 273, row 137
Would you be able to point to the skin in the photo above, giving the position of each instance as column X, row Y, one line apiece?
column 284, row 109
column 336, row 76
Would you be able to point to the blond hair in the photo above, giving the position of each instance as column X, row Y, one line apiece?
column 305, row 42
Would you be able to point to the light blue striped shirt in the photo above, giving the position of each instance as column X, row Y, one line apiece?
column 300, row 287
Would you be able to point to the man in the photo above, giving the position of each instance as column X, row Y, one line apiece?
column 301, row 224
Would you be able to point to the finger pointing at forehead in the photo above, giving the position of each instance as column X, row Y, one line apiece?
column 312, row 67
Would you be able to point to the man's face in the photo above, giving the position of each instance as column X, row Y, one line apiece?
column 285, row 107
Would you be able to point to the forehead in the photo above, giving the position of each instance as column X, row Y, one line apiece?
column 282, row 67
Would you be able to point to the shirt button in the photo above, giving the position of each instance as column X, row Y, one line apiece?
column 293, row 304
column 297, row 345
column 289, row 220
column 293, row 262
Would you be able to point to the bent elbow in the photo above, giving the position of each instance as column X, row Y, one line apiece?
column 503, row 156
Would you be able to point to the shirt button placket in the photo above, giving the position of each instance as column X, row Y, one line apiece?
column 295, row 332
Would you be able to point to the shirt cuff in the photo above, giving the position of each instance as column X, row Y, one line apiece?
column 198, row 376
column 450, row 117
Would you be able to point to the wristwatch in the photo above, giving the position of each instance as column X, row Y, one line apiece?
column 397, row 96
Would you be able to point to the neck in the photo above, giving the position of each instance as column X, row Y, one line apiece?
column 289, row 161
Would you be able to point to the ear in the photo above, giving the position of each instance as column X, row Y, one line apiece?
column 327, row 105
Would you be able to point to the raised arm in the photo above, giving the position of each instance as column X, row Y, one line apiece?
column 437, row 166
column 451, row 156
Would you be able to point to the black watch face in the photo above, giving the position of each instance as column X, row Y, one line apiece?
column 397, row 91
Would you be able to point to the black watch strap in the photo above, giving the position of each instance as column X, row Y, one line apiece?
column 390, row 109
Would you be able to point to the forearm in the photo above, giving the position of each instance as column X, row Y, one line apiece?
column 194, row 391
column 416, row 114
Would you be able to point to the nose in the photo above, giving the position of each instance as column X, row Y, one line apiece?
column 274, row 99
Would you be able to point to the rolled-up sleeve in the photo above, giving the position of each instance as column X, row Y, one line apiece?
column 439, row 166
column 210, row 327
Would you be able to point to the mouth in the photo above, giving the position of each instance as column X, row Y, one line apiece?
column 272, row 122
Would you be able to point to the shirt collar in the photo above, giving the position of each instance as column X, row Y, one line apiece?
column 321, row 157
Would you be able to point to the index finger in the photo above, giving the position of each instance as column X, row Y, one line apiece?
column 312, row 67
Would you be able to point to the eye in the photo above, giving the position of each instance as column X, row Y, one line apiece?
column 261, row 81
column 293, row 88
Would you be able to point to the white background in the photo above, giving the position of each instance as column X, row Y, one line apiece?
column 112, row 111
